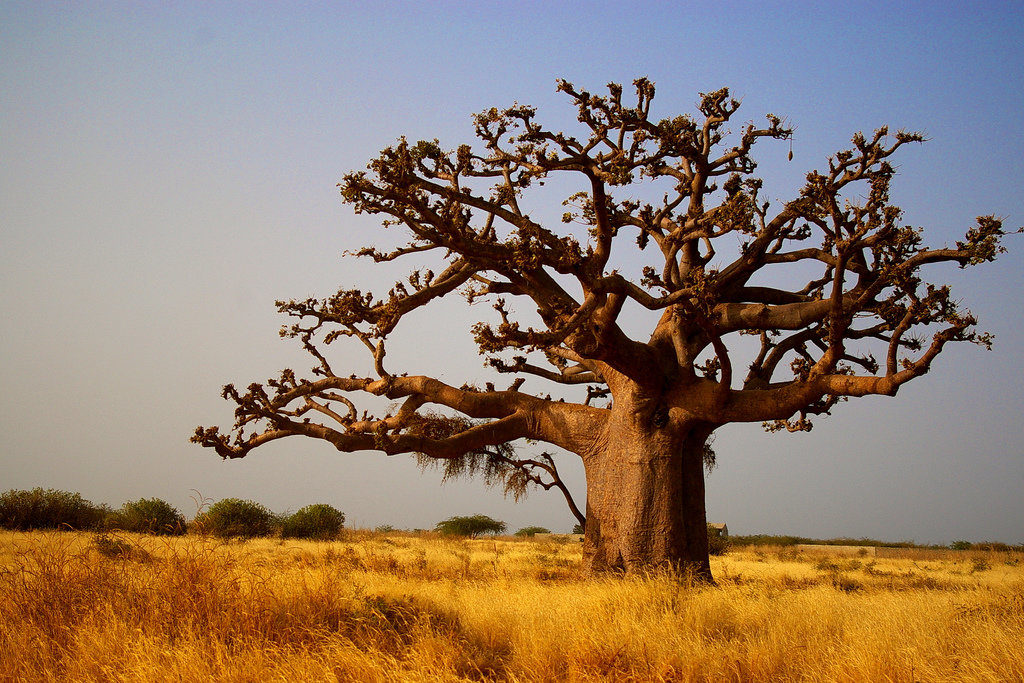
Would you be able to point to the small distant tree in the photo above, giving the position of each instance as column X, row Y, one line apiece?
column 234, row 517
column 149, row 516
column 473, row 526
column 531, row 531
column 320, row 521
column 577, row 529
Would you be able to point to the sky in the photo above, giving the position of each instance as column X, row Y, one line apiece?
column 169, row 170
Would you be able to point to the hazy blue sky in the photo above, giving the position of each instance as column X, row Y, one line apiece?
column 168, row 170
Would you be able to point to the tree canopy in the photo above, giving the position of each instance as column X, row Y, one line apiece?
column 472, row 526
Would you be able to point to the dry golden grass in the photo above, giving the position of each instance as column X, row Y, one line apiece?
column 402, row 608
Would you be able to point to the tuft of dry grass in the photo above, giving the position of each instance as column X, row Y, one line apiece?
column 393, row 607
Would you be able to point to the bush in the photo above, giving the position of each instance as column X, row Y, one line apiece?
column 470, row 526
column 578, row 529
column 234, row 517
column 960, row 545
column 320, row 521
column 48, row 509
column 980, row 564
column 111, row 547
column 718, row 545
column 149, row 516
column 531, row 531
column 114, row 548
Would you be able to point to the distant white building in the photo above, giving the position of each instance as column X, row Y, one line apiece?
column 720, row 530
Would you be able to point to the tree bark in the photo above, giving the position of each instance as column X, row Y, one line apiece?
column 645, row 503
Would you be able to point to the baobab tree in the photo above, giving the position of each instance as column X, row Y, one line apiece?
column 677, row 196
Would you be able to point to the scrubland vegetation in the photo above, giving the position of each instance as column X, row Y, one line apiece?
column 39, row 508
column 398, row 607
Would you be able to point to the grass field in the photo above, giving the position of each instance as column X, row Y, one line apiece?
column 76, row 606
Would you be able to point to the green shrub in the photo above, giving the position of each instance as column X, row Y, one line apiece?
column 234, row 517
column 578, row 529
column 320, row 521
column 717, row 545
column 471, row 526
column 48, row 509
column 960, row 545
column 149, row 516
column 531, row 531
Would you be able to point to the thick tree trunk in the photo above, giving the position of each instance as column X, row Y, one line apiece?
column 645, row 504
